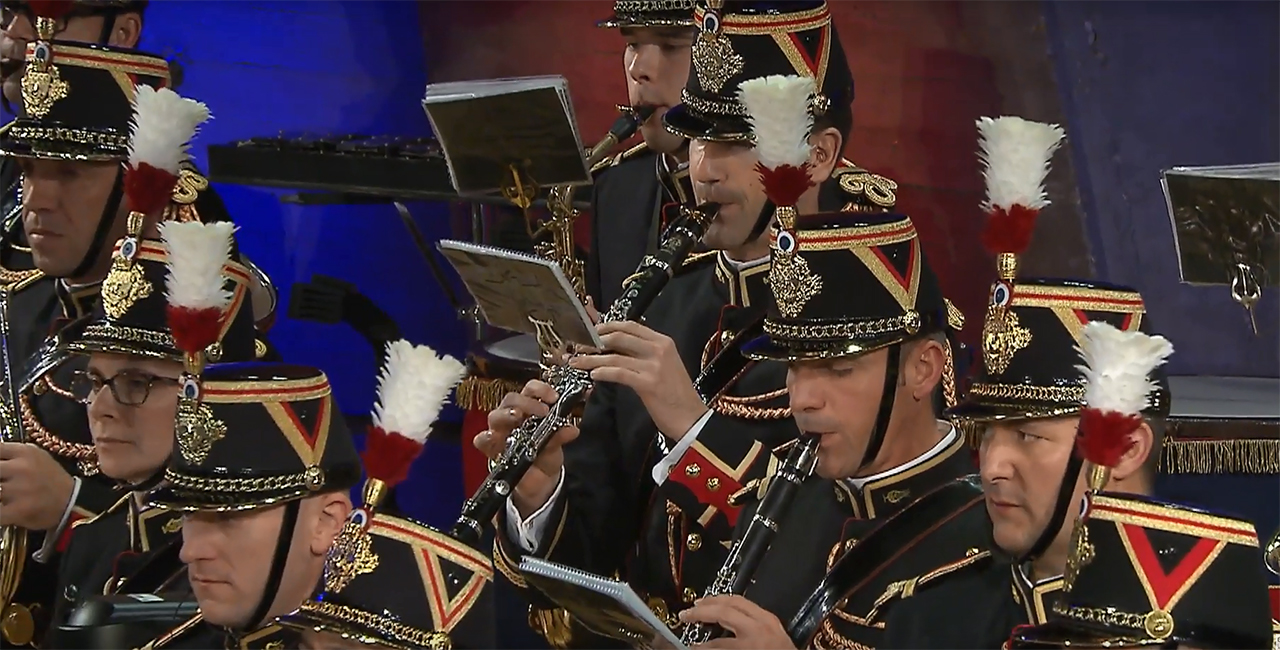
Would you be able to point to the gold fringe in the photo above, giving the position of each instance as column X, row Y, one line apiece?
column 481, row 394
column 1239, row 456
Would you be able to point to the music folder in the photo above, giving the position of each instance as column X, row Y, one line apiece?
column 515, row 290
column 488, row 126
column 607, row 607
column 1223, row 216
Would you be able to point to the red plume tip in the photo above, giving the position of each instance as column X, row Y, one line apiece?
column 1106, row 435
column 1009, row 231
column 194, row 329
column 54, row 9
column 388, row 456
column 148, row 188
column 785, row 184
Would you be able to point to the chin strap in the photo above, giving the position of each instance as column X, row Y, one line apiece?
column 278, row 562
column 762, row 222
column 1065, row 491
column 104, row 227
column 109, row 16
column 885, row 413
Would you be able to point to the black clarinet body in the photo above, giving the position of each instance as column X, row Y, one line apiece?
column 572, row 385
column 738, row 570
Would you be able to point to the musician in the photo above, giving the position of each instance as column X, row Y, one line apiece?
column 628, row 201
column 261, row 479
column 629, row 204
column 106, row 22
column 1218, row 601
column 131, row 388
column 70, row 151
column 1025, row 406
column 390, row 581
column 604, row 502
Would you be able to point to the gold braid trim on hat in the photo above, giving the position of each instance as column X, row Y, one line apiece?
column 74, row 136
column 394, row 629
column 1238, row 456
column 294, row 481
column 1028, row 392
column 853, row 329
column 481, row 394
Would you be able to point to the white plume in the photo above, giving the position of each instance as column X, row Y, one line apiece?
column 164, row 123
column 1117, row 367
column 778, row 110
column 413, row 387
column 197, row 254
column 1015, row 154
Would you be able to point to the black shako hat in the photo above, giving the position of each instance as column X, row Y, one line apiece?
column 745, row 40
column 1030, row 366
column 261, row 434
column 76, row 100
column 1151, row 573
column 847, row 283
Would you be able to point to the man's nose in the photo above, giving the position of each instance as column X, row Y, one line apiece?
column 195, row 541
column 995, row 457
column 40, row 193
column 804, row 391
column 643, row 65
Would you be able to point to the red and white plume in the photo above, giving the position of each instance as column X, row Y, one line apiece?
column 778, row 110
column 195, row 287
column 413, row 388
column 1015, row 155
column 163, row 125
column 1118, row 387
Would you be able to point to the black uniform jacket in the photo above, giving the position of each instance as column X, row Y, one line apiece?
column 630, row 207
column 975, row 606
column 126, row 550
column 829, row 517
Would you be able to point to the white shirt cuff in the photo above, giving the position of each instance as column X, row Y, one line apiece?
column 663, row 468
column 51, row 537
column 528, row 532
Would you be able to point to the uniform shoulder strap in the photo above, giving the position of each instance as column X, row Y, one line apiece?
column 864, row 190
column 613, row 161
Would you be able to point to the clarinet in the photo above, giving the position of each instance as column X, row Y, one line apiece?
column 571, row 385
column 738, row 570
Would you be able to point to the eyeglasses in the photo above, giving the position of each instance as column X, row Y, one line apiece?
column 130, row 388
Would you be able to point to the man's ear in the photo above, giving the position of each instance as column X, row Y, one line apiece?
column 1133, row 460
column 924, row 366
column 333, row 511
column 827, row 145
column 127, row 30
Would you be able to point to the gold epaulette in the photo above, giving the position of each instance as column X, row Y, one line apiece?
column 696, row 260
column 114, row 507
column 615, row 160
column 907, row 588
column 867, row 190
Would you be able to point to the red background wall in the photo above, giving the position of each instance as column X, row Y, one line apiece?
column 924, row 72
